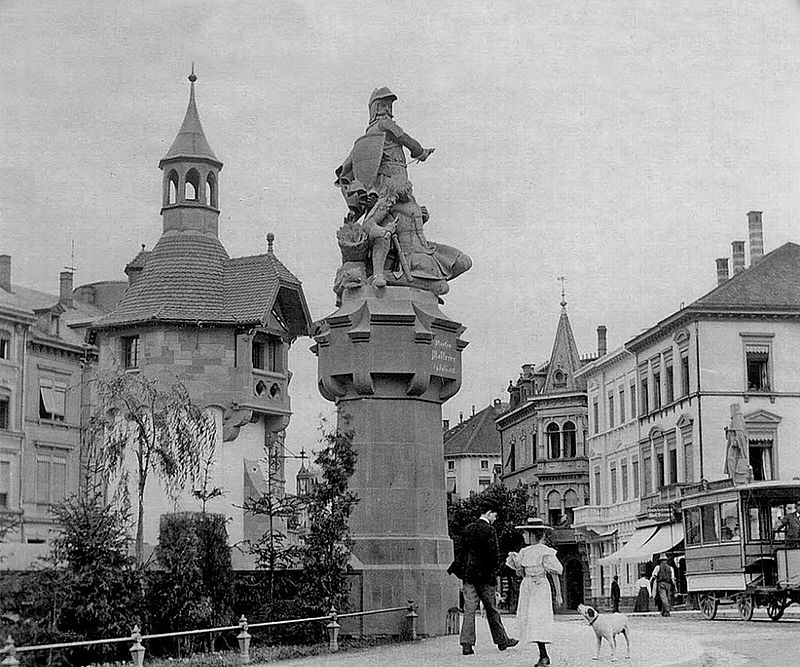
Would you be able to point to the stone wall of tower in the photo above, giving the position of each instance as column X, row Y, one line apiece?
column 215, row 364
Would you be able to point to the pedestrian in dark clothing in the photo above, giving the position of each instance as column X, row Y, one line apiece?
column 663, row 578
column 615, row 594
column 476, row 564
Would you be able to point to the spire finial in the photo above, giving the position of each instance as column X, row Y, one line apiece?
column 270, row 241
column 193, row 76
column 563, row 280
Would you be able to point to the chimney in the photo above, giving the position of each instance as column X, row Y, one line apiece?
column 722, row 270
column 460, row 417
column 65, row 293
column 602, row 343
column 445, row 424
column 5, row 272
column 756, row 234
column 738, row 257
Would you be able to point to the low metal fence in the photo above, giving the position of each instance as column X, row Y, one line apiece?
column 137, row 650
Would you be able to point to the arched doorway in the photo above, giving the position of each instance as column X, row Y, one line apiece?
column 573, row 583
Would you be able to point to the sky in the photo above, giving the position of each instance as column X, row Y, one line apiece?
column 618, row 144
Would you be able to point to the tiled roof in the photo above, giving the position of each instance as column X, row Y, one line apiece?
column 29, row 300
column 772, row 283
column 181, row 280
column 251, row 283
column 188, row 277
column 138, row 262
column 477, row 435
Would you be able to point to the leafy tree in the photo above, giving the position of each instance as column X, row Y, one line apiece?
column 157, row 421
column 193, row 586
column 328, row 544
column 270, row 550
column 513, row 504
column 97, row 583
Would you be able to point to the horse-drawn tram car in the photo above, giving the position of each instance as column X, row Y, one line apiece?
column 737, row 550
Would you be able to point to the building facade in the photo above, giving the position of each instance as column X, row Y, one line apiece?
column 543, row 442
column 732, row 349
column 472, row 453
column 221, row 326
column 44, row 355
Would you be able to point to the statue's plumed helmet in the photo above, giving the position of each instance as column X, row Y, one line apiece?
column 381, row 94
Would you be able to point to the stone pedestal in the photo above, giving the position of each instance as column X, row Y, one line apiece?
column 389, row 358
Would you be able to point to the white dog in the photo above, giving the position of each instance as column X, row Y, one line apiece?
column 607, row 626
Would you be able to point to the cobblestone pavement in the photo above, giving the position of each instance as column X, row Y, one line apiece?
column 683, row 640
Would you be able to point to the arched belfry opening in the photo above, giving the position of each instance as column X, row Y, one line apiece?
column 191, row 191
column 171, row 190
column 211, row 190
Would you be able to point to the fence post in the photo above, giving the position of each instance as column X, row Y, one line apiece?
column 244, row 641
column 137, row 650
column 412, row 617
column 333, row 630
column 10, row 652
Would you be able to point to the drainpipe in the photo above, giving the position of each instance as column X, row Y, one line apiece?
column 699, row 399
column 23, row 443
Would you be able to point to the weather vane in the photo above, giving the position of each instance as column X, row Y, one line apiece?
column 563, row 281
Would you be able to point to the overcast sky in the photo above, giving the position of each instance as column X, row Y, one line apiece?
column 619, row 144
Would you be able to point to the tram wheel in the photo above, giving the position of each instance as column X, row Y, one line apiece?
column 708, row 607
column 745, row 604
column 775, row 607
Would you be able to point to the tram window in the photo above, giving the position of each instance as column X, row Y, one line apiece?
column 692, row 517
column 729, row 518
column 754, row 525
column 777, row 512
column 710, row 517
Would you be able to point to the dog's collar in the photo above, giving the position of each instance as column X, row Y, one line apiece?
column 596, row 616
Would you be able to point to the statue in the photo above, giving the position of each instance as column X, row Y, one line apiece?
column 382, row 239
column 737, row 465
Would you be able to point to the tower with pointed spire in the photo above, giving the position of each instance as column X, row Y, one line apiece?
column 543, row 437
column 190, row 191
column 222, row 326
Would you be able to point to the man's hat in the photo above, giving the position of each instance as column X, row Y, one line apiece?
column 380, row 94
column 663, row 557
column 534, row 523
column 488, row 505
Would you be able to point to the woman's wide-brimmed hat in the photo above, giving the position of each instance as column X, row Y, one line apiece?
column 534, row 523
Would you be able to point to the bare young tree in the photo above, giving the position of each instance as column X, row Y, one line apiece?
column 157, row 421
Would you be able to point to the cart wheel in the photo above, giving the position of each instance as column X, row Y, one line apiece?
column 745, row 604
column 776, row 607
column 708, row 607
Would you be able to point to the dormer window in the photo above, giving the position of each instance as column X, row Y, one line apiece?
column 559, row 379
column 55, row 324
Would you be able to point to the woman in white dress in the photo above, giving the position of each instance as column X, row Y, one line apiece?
column 535, row 609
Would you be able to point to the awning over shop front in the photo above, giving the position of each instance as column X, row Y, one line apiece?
column 645, row 542
column 632, row 548
column 666, row 537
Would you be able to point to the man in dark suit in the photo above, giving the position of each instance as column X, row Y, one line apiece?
column 476, row 565
column 615, row 594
